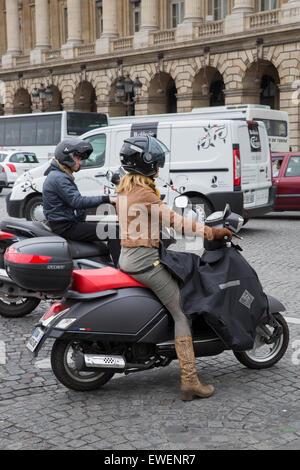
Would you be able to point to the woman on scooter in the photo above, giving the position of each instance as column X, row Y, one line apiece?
column 141, row 215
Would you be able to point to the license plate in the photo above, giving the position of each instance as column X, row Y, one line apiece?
column 35, row 339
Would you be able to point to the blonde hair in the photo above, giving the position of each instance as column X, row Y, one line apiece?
column 130, row 180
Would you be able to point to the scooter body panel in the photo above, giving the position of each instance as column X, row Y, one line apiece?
column 129, row 315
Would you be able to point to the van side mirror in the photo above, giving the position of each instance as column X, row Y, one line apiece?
column 181, row 202
column 227, row 211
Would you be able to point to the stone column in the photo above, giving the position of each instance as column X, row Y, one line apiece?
column 290, row 12
column 110, row 26
column 149, row 22
column 243, row 6
column 74, row 29
column 13, row 33
column 192, row 17
column 42, row 31
column 235, row 22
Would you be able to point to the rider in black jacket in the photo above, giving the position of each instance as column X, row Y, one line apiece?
column 64, row 207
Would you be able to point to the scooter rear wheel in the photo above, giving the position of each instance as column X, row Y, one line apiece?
column 19, row 307
column 263, row 355
column 65, row 370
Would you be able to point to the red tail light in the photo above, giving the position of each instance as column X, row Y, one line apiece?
column 11, row 167
column 236, row 168
column 56, row 308
column 13, row 256
column 5, row 235
column 3, row 169
column 272, row 177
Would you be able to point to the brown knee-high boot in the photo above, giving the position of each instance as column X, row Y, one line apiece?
column 190, row 384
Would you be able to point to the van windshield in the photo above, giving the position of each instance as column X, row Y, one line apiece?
column 3, row 157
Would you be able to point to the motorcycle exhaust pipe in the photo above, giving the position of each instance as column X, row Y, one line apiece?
column 86, row 362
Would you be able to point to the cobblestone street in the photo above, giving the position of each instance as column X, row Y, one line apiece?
column 249, row 410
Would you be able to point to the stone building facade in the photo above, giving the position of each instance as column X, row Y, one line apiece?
column 191, row 53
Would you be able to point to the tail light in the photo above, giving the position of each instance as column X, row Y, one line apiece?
column 11, row 167
column 55, row 308
column 3, row 169
column 6, row 235
column 13, row 256
column 272, row 177
column 236, row 168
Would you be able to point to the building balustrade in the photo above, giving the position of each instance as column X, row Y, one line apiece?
column 210, row 28
column 263, row 19
column 242, row 21
column 158, row 38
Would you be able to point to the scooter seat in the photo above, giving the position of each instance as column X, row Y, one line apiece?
column 86, row 249
column 26, row 228
column 87, row 281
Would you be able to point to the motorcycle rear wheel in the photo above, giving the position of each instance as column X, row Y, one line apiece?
column 259, row 358
column 70, row 377
column 19, row 307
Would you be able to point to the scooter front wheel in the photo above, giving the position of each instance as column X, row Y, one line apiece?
column 64, row 368
column 264, row 355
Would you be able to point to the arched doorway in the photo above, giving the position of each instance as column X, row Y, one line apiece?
column 56, row 103
column 208, row 88
column 269, row 92
column 261, row 85
column 217, row 97
column 162, row 94
column 85, row 97
column 22, row 102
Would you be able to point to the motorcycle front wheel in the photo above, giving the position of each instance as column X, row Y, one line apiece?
column 264, row 355
column 64, row 368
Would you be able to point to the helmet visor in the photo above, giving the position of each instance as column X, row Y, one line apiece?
column 159, row 151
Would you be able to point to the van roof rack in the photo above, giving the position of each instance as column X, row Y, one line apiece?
column 214, row 109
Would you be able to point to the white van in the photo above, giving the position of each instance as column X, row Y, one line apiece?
column 211, row 161
column 276, row 122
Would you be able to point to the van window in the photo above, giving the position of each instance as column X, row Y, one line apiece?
column 97, row 158
column 293, row 168
column 274, row 127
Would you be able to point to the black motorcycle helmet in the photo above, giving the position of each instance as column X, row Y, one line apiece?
column 142, row 154
column 67, row 148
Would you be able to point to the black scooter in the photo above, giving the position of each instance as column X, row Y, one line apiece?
column 109, row 323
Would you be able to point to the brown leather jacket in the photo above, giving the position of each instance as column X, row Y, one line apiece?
column 142, row 214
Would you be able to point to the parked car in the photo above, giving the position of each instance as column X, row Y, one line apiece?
column 286, row 177
column 3, row 178
column 16, row 162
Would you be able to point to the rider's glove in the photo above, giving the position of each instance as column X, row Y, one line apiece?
column 211, row 233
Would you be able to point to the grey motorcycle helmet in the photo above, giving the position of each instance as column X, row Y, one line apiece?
column 142, row 154
column 67, row 148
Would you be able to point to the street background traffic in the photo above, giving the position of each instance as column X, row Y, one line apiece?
column 249, row 410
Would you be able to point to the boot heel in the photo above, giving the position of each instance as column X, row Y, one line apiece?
column 186, row 396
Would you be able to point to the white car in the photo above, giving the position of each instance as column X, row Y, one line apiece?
column 16, row 162
column 3, row 178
